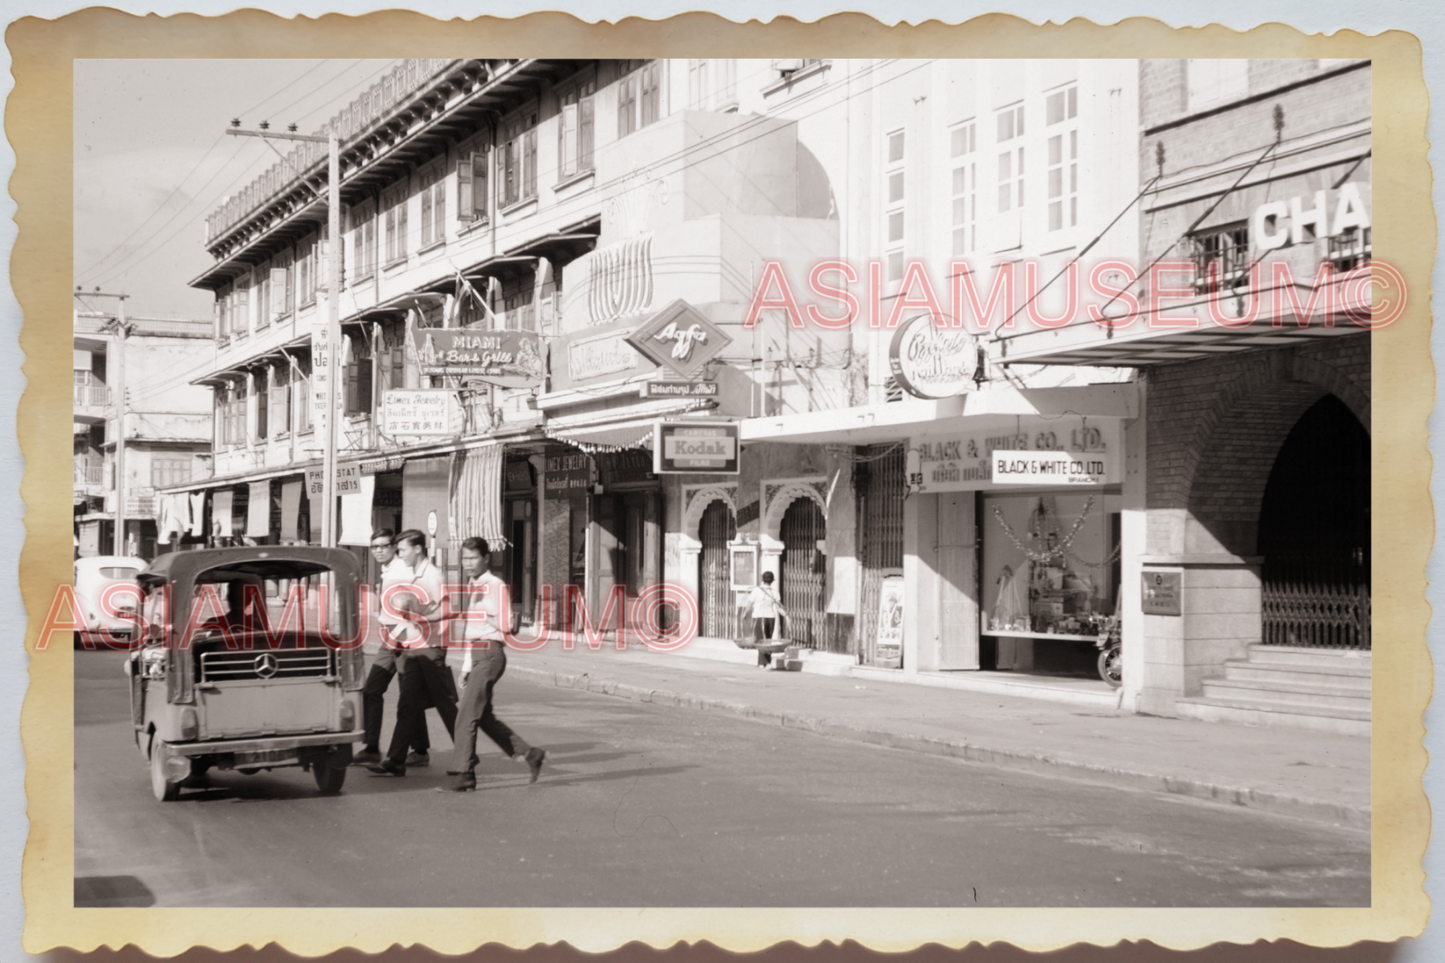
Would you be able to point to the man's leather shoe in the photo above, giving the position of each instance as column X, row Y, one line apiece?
column 461, row 782
column 418, row 759
column 367, row 757
column 387, row 768
column 534, row 762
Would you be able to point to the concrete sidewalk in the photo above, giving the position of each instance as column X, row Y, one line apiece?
column 1314, row 775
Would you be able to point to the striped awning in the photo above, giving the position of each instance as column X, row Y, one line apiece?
column 476, row 495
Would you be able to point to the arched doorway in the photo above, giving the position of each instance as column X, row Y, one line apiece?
column 803, row 567
column 1314, row 533
column 718, row 613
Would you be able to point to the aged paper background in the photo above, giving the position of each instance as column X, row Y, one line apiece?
column 38, row 125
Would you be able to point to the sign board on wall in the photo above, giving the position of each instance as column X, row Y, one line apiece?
column 1043, row 468
column 679, row 338
column 568, row 475
column 1162, row 593
column 427, row 411
column 964, row 461
column 348, row 481
column 682, row 448
column 603, row 355
column 508, row 359
column 743, row 567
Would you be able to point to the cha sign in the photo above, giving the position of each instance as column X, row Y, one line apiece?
column 933, row 363
column 679, row 338
column 507, row 359
column 1050, row 467
column 691, row 448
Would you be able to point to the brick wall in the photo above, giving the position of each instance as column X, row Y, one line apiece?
column 1216, row 426
column 1164, row 97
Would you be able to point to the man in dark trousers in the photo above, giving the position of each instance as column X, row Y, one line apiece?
column 384, row 668
column 425, row 676
column 481, row 631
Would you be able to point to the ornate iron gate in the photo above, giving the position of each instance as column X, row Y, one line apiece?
column 803, row 565
column 1314, row 533
column 715, row 598
column 880, row 484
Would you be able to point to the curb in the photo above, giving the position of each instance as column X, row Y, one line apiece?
column 1354, row 817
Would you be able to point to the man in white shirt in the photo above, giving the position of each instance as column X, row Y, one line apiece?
column 384, row 668
column 416, row 594
column 481, row 630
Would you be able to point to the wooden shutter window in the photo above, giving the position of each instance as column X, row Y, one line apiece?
column 465, row 201
column 479, row 185
column 567, row 140
column 584, row 134
column 529, row 162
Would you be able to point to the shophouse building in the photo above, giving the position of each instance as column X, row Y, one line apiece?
column 1248, row 480
column 166, row 423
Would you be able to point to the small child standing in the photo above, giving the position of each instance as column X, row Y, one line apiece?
column 767, row 608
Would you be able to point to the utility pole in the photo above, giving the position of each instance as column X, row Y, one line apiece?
column 118, row 329
column 324, row 340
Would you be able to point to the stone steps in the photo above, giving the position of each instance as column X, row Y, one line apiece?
column 1317, row 689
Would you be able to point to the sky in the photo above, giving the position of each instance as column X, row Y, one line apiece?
column 152, row 161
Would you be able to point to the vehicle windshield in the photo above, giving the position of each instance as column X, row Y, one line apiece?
column 278, row 602
column 118, row 572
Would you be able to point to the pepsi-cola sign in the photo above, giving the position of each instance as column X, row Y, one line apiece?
column 932, row 362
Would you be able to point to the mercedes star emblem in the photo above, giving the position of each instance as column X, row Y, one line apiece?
column 266, row 665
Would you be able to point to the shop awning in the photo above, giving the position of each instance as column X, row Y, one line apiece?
column 894, row 421
column 612, row 430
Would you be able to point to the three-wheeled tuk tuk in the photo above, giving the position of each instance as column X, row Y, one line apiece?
column 252, row 660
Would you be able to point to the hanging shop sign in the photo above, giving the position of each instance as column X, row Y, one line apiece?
column 1329, row 213
column 679, row 389
column 348, row 480
column 690, row 448
column 679, row 338
column 1162, row 592
column 1043, row 468
column 965, row 461
column 378, row 466
column 425, row 411
column 932, row 362
column 567, row 475
column 507, row 359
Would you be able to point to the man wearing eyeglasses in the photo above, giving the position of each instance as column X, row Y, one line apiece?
column 383, row 549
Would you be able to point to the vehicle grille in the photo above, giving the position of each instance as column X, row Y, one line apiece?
column 255, row 665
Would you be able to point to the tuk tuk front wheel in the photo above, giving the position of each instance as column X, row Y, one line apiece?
column 164, row 790
column 1111, row 665
column 328, row 780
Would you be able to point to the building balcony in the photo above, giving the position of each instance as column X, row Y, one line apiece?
column 92, row 403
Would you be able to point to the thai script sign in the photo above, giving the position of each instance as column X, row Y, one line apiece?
column 932, row 363
column 348, row 481
column 508, row 359
column 1162, row 593
column 432, row 411
column 965, row 461
column 568, row 475
column 679, row 389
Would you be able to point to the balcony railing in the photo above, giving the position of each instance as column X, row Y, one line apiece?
column 93, row 475
column 92, row 396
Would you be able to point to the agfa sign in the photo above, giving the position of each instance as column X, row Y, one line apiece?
column 929, row 362
column 680, row 338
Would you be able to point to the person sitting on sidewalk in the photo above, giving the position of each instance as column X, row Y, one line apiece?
column 767, row 611
column 481, row 631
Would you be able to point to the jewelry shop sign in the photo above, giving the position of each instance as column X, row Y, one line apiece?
column 425, row 411
column 1038, row 452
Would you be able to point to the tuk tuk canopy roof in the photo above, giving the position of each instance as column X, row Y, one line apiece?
column 264, row 561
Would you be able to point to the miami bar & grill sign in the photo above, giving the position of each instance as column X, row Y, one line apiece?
column 507, row 359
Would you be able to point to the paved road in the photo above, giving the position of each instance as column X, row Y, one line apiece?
column 645, row 805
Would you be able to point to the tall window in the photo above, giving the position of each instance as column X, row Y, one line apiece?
column 963, row 147
column 1061, row 117
column 363, row 239
column 575, row 130
column 1221, row 257
column 263, row 297
column 358, row 378
column 433, row 205
column 306, row 271
column 519, row 159
column 280, row 297
column 240, row 309
column 301, row 393
column 639, row 96
column 280, row 403
column 712, row 84
column 259, row 381
column 895, row 178
column 223, row 314
column 1010, row 158
column 395, row 229
column 472, row 186
column 1216, row 81
column 231, row 416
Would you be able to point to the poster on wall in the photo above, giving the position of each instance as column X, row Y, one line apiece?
column 743, row 567
column 889, row 642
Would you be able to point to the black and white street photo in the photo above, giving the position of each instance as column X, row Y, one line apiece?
column 808, row 483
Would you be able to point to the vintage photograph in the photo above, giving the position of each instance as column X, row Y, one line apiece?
column 855, row 482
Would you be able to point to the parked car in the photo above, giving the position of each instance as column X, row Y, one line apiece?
column 93, row 574
column 242, row 673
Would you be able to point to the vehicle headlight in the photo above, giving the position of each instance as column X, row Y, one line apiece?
column 190, row 724
column 348, row 714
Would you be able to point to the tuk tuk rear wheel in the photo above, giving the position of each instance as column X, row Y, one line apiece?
column 1111, row 665
column 328, row 780
column 164, row 790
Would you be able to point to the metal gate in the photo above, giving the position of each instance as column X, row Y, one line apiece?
column 803, row 564
column 880, row 485
column 1314, row 533
column 715, row 598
